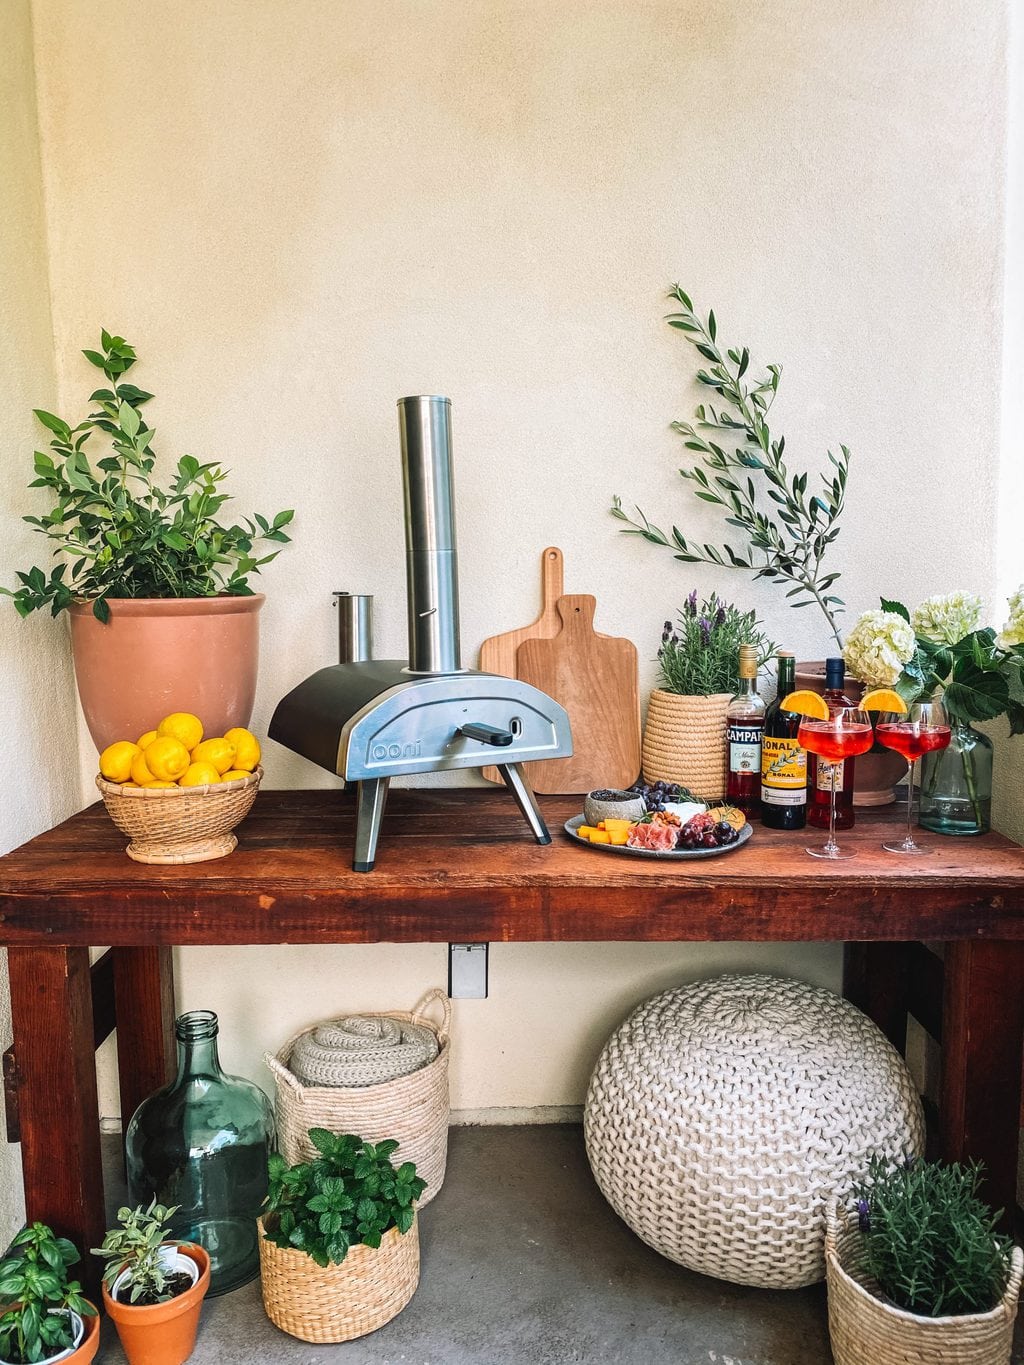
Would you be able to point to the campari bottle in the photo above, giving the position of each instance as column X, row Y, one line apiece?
column 783, row 762
column 745, row 722
column 819, row 787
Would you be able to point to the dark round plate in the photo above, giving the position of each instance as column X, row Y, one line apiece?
column 571, row 826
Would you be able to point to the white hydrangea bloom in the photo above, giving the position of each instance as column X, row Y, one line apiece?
column 946, row 618
column 1013, row 632
column 878, row 647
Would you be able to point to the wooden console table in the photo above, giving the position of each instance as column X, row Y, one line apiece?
column 460, row 866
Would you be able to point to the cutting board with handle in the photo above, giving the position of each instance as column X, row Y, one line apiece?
column 595, row 677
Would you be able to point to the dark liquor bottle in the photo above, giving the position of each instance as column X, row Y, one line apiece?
column 745, row 721
column 783, row 762
column 819, row 788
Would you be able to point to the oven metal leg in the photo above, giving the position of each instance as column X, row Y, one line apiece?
column 370, row 802
column 515, row 779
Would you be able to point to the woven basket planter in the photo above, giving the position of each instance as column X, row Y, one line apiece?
column 722, row 1117
column 339, row 1302
column 412, row 1109
column 865, row 1330
column 180, row 824
column 684, row 742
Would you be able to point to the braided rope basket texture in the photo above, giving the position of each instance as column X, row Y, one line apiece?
column 339, row 1302
column 684, row 742
column 865, row 1330
column 180, row 824
column 413, row 1109
column 724, row 1117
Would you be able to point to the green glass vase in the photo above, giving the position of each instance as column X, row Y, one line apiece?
column 956, row 783
column 202, row 1143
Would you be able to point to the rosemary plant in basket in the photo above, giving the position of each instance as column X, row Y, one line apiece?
column 699, row 655
column 788, row 533
column 351, row 1194
column 929, row 1242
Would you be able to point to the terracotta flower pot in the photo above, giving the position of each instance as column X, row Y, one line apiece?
column 158, row 655
column 162, row 1333
column 877, row 771
column 88, row 1344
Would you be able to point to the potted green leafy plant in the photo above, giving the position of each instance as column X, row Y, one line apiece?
column 154, row 578
column 44, row 1316
column 153, row 1287
column 698, row 662
column 339, row 1254
column 917, row 1272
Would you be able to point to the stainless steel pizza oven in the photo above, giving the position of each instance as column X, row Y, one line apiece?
column 369, row 720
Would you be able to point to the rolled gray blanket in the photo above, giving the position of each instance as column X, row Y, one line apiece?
column 361, row 1049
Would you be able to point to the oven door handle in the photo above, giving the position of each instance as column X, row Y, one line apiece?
column 487, row 734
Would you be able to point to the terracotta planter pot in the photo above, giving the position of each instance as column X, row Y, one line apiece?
column 684, row 742
column 162, row 1333
column 878, row 771
column 155, row 656
column 87, row 1347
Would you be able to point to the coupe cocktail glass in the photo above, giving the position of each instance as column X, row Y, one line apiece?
column 846, row 733
column 923, row 728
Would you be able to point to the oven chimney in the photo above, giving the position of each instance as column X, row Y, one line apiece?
column 430, row 556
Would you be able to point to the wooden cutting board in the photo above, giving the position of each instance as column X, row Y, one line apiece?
column 498, row 654
column 595, row 678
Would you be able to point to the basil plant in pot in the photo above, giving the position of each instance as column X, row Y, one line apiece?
column 44, row 1316
column 685, row 733
column 339, row 1254
column 155, row 579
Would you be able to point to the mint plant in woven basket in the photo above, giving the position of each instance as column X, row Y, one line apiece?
column 917, row 1269
column 339, row 1254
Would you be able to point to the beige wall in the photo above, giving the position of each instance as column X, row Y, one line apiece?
column 37, row 734
column 298, row 213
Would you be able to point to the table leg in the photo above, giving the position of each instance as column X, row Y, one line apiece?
column 144, row 1002
column 875, row 980
column 51, row 1016
column 982, row 1038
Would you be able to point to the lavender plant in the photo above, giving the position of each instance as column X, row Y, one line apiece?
column 929, row 1241
column 699, row 656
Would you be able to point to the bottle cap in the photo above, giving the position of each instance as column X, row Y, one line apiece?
column 835, row 673
column 748, row 661
column 784, row 654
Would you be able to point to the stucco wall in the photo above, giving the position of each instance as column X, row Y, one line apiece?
column 299, row 213
column 38, row 746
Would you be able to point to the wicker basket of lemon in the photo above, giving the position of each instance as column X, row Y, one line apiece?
column 177, row 795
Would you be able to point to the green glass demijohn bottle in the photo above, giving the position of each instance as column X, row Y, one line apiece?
column 202, row 1142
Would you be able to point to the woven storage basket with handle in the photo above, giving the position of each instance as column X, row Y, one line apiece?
column 684, row 742
column 865, row 1330
column 413, row 1109
column 339, row 1302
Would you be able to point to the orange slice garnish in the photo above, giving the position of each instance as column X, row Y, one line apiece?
column 806, row 703
column 884, row 699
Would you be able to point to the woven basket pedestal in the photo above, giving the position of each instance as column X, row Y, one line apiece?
column 864, row 1330
column 412, row 1109
column 723, row 1117
column 339, row 1302
column 684, row 742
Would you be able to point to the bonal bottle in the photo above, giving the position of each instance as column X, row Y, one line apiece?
column 202, row 1142
column 783, row 762
column 745, row 722
column 820, row 769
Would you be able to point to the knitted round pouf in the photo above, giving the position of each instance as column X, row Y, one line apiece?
column 723, row 1118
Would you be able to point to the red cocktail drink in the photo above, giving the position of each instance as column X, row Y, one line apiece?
column 847, row 733
column 912, row 738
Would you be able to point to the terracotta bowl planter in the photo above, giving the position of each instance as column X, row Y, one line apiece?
column 878, row 771
column 162, row 1333
column 155, row 656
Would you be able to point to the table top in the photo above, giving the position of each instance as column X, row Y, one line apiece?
column 459, row 865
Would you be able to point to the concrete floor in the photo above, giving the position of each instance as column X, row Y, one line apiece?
column 523, row 1263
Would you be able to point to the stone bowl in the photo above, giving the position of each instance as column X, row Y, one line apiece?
column 605, row 804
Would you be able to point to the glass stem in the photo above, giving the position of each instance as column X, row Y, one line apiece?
column 911, row 765
column 832, row 811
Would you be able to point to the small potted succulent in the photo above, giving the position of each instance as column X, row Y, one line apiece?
column 153, row 1287
column 698, row 661
column 917, row 1271
column 339, row 1251
column 44, row 1316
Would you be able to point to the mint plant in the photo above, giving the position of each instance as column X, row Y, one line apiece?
column 34, row 1284
column 929, row 1241
column 115, row 531
column 135, row 1247
column 350, row 1195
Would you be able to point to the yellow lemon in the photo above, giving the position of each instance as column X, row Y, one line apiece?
column 140, row 773
column 247, row 747
column 129, row 784
column 116, row 760
column 219, row 752
column 167, row 758
column 144, row 741
column 182, row 726
column 198, row 775
column 153, row 784
column 806, row 703
column 884, row 699
column 234, row 774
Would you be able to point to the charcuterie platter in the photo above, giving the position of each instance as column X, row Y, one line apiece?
column 572, row 827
